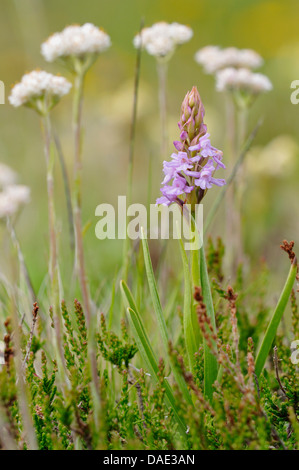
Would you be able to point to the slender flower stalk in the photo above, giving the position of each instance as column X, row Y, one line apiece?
column 80, row 259
column 127, row 242
column 79, row 246
column 240, row 185
column 53, row 262
column 41, row 91
column 78, row 47
column 232, row 235
column 80, row 262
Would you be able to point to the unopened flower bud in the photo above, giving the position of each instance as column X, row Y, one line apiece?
column 192, row 114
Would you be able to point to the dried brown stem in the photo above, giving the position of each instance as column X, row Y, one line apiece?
column 29, row 344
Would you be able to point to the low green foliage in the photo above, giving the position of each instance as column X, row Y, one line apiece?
column 142, row 402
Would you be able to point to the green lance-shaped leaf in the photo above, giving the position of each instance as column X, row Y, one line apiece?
column 130, row 303
column 154, row 292
column 275, row 320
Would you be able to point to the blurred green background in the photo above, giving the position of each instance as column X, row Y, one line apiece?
column 271, row 198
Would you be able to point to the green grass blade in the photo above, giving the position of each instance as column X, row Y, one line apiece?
column 154, row 292
column 275, row 320
column 130, row 303
column 142, row 342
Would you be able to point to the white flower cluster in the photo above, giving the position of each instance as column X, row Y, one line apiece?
column 75, row 40
column 161, row 39
column 242, row 80
column 12, row 198
column 213, row 58
column 233, row 69
column 37, row 84
column 7, row 175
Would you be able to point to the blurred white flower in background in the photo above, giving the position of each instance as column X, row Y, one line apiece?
column 180, row 33
column 161, row 39
column 232, row 69
column 7, row 175
column 75, row 40
column 13, row 196
column 213, row 58
column 18, row 193
column 231, row 79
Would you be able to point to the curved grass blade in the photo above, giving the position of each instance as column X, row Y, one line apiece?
column 275, row 320
column 130, row 303
column 154, row 292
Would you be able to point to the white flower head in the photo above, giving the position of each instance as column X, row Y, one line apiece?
column 76, row 41
column 40, row 90
column 18, row 193
column 213, row 58
column 244, row 80
column 180, row 33
column 207, row 57
column 7, row 175
column 8, row 207
column 12, row 199
column 161, row 39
